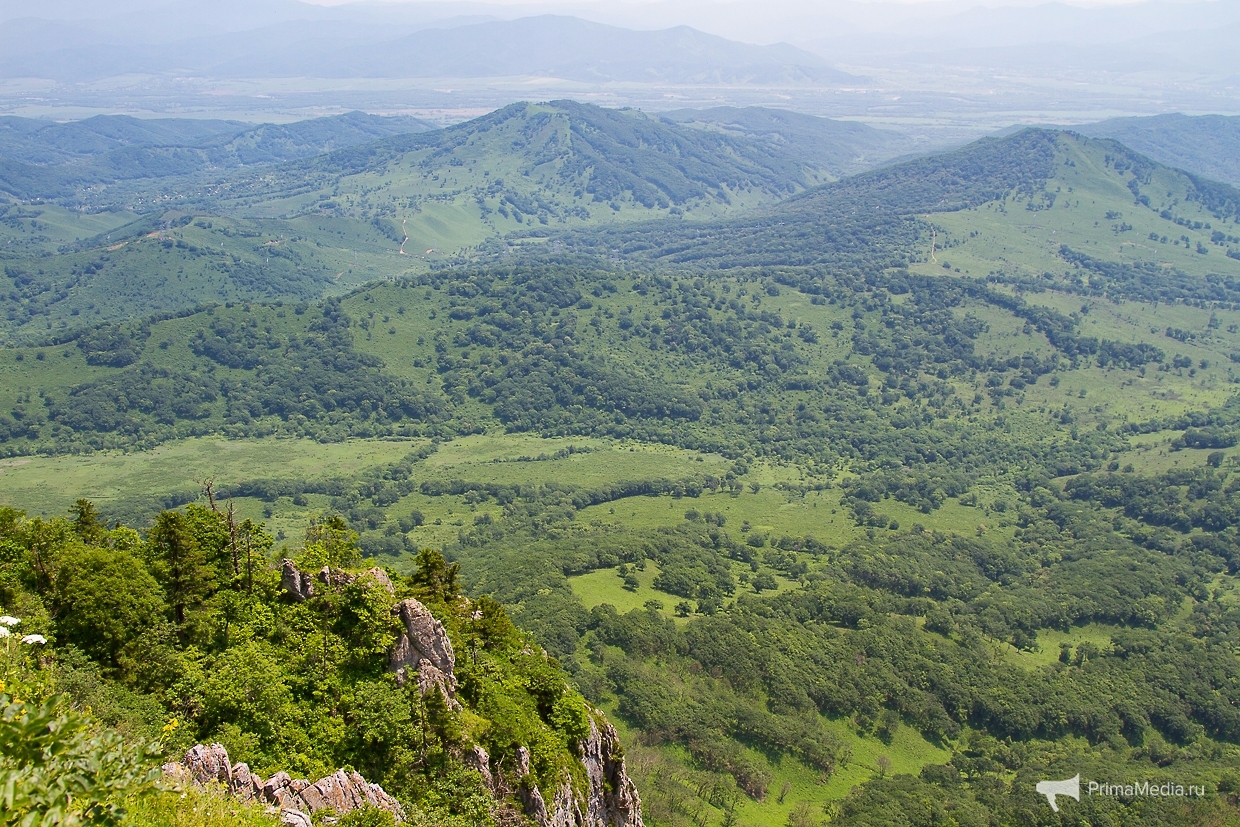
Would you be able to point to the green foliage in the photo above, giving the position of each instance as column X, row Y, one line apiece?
column 329, row 542
column 194, row 808
column 190, row 642
column 105, row 600
column 56, row 769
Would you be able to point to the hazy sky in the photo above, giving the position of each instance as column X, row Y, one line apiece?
column 757, row 4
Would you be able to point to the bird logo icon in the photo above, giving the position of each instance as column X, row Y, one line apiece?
column 1070, row 787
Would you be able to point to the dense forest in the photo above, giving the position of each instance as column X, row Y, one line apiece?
column 876, row 506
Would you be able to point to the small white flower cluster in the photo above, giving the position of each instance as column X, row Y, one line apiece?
column 7, row 621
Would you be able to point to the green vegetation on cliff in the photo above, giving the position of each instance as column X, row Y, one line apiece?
column 187, row 635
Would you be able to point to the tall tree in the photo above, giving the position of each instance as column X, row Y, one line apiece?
column 178, row 561
column 87, row 523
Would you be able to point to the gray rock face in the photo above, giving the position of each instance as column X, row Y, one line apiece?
column 246, row 785
column 614, row 801
column 296, row 584
column 479, row 760
column 611, row 801
column 206, row 764
column 423, row 647
column 295, row 798
column 299, row 585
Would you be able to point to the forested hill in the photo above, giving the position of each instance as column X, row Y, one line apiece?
column 869, row 218
column 551, row 161
column 136, row 228
column 1208, row 145
column 41, row 160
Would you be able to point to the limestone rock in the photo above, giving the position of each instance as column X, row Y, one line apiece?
column 535, row 806
column 295, row 798
column 299, row 585
column 177, row 772
column 480, row 760
column 344, row 792
column 423, row 642
column 296, row 584
column 246, row 785
column 207, row 764
column 381, row 579
column 295, row 818
column 523, row 762
column 278, row 792
column 612, row 799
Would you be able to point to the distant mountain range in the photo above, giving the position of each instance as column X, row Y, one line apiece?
column 292, row 39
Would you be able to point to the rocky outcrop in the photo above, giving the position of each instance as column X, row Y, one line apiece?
column 611, row 800
column 423, row 647
column 423, row 652
column 296, row 584
column 300, row 585
column 614, row 801
column 295, row 798
column 479, row 760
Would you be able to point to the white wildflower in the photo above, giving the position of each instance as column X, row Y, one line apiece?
column 4, row 632
column 34, row 640
column 9, row 620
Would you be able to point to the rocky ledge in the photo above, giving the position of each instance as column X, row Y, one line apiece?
column 295, row 799
column 423, row 653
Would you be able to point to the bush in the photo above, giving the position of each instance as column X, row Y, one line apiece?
column 55, row 769
column 105, row 599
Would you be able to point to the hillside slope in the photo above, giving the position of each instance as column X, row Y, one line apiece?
column 492, row 735
column 57, row 161
column 1024, row 205
column 1207, row 145
column 556, row 162
column 837, row 147
column 380, row 209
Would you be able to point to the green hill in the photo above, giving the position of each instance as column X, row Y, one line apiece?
column 1021, row 207
column 1207, row 145
column 892, row 498
column 554, row 163
column 169, row 262
column 35, row 141
column 58, row 161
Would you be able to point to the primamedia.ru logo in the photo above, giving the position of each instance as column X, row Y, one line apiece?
column 1071, row 788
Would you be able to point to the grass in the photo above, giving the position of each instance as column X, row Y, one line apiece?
column 1092, row 208
column 49, row 485
column 605, row 586
column 41, row 229
column 195, row 807
column 1049, row 641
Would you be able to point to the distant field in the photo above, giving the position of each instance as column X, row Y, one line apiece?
column 49, row 485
